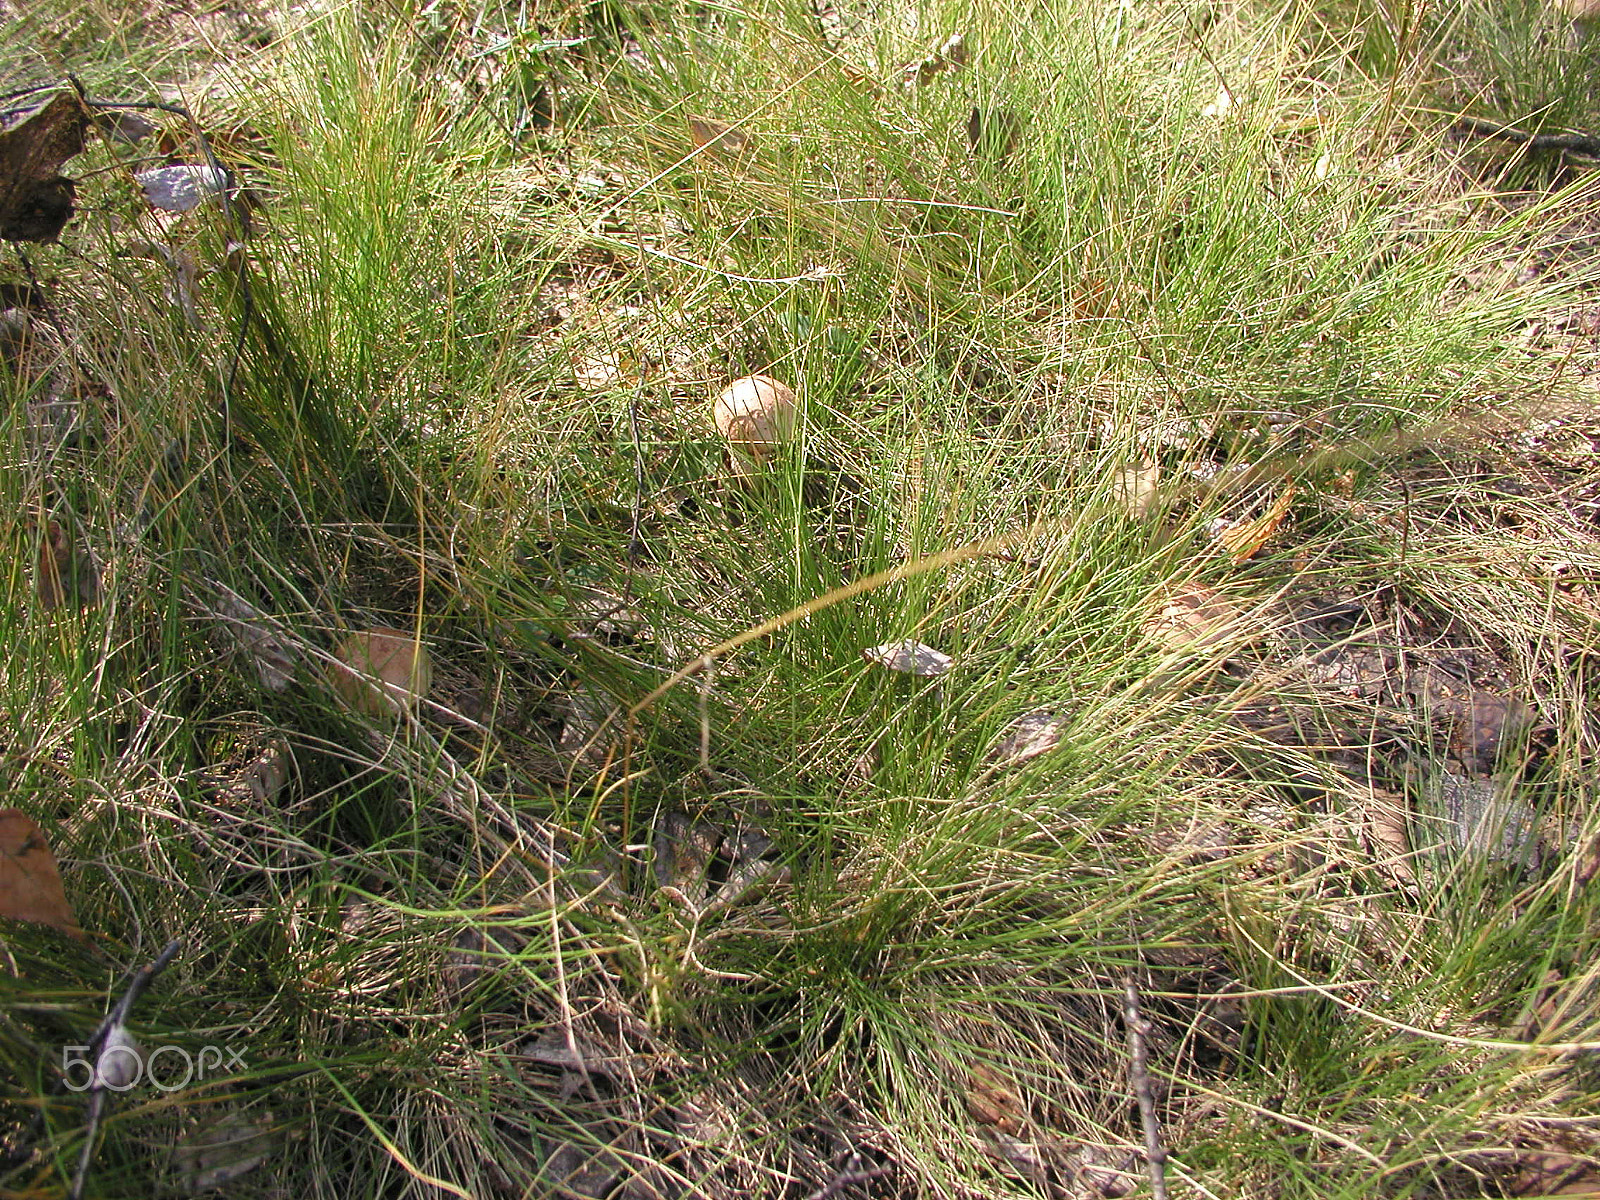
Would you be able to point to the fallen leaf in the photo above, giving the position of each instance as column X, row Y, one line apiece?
column 218, row 1153
column 1136, row 487
column 908, row 657
column 720, row 137
column 951, row 55
column 381, row 671
column 1244, row 539
column 183, row 187
column 1029, row 736
column 67, row 574
column 992, row 1099
column 1192, row 616
column 30, row 883
column 35, row 200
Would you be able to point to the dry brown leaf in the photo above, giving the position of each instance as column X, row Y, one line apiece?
column 992, row 1099
column 1136, row 487
column 721, row 137
column 1192, row 616
column 66, row 574
column 1243, row 540
column 382, row 670
column 30, row 883
column 908, row 657
column 951, row 55
column 1029, row 736
column 36, row 201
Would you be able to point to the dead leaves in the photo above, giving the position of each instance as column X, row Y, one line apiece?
column 721, row 138
column 382, row 671
column 1192, row 616
column 66, row 575
column 1029, row 736
column 30, row 883
column 908, row 658
column 35, row 199
column 950, row 56
column 1244, row 539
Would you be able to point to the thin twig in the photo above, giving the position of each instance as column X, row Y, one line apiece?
column 1155, row 1154
column 114, row 1020
column 1585, row 144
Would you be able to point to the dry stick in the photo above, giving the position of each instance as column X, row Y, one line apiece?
column 97, row 1095
column 1567, row 143
column 1155, row 1155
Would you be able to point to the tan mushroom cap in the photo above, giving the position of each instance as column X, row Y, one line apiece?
column 1579, row 10
column 756, row 414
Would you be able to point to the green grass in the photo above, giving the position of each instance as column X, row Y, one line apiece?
column 464, row 390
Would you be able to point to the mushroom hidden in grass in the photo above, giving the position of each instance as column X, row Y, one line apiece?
column 756, row 415
column 381, row 671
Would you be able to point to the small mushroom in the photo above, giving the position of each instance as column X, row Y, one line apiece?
column 381, row 671
column 756, row 414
